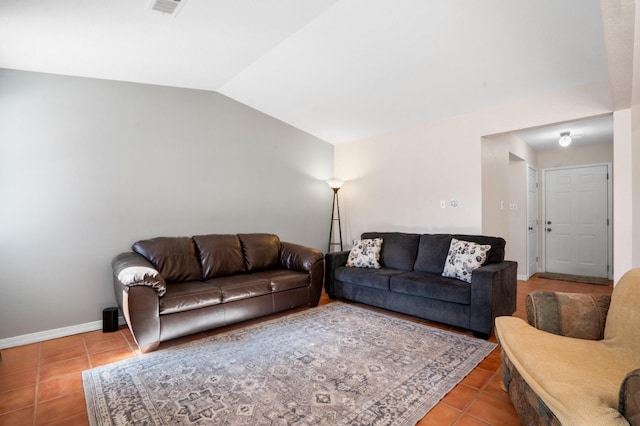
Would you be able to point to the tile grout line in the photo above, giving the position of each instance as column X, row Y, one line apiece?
column 128, row 343
column 496, row 373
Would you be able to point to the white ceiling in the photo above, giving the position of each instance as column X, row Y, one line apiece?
column 338, row 69
column 588, row 131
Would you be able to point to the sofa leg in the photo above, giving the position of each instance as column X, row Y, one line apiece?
column 479, row 335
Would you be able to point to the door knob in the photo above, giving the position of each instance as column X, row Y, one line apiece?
column 548, row 222
column 548, row 229
column 531, row 228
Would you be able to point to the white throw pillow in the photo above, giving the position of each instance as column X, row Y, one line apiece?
column 365, row 254
column 463, row 258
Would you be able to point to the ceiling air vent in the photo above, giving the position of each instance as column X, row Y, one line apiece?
column 171, row 7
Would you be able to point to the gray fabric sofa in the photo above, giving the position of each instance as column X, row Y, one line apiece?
column 410, row 281
column 169, row 287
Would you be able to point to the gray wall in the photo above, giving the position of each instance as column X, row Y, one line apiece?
column 88, row 166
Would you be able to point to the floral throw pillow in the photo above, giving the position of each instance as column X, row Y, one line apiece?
column 463, row 258
column 365, row 254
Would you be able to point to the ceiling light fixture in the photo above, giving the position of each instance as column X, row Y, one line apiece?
column 169, row 7
column 565, row 139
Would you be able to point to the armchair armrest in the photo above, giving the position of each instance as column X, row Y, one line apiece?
column 333, row 261
column 629, row 404
column 568, row 314
column 493, row 294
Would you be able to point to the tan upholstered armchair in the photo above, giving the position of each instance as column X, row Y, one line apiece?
column 577, row 360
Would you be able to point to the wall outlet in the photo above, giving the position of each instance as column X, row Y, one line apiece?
column 513, row 206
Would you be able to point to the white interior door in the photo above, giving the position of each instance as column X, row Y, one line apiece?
column 532, row 221
column 576, row 221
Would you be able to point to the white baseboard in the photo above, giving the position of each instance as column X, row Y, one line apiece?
column 522, row 278
column 55, row 333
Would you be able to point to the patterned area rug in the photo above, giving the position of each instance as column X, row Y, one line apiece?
column 336, row 364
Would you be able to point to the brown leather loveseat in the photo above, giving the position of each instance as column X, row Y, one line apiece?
column 169, row 287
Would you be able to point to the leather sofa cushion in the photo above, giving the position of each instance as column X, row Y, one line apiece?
column 261, row 251
column 244, row 286
column 284, row 279
column 398, row 249
column 190, row 295
column 220, row 255
column 174, row 257
column 365, row 277
column 432, row 286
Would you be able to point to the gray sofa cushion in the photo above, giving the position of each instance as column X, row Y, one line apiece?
column 398, row 249
column 496, row 254
column 432, row 252
column 432, row 286
column 375, row 278
column 433, row 249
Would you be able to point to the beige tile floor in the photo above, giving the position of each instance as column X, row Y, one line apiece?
column 40, row 383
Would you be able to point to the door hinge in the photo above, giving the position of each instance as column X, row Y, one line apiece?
column 536, row 259
column 607, row 268
column 607, row 222
column 607, row 176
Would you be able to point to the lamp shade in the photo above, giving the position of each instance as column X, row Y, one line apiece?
column 335, row 183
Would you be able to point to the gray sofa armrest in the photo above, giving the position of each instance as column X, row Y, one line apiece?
column 493, row 294
column 576, row 315
column 333, row 261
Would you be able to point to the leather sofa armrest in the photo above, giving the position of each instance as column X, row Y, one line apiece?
column 141, row 309
column 132, row 269
column 138, row 293
column 493, row 294
column 576, row 315
column 333, row 261
column 629, row 404
column 299, row 258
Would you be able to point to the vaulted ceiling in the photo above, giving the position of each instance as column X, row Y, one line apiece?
column 338, row 69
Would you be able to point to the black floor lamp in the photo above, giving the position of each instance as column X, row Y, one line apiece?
column 335, row 185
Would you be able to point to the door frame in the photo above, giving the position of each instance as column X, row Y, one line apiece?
column 537, row 206
column 542, row 194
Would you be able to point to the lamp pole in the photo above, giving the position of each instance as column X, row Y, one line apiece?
column 335, row 185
